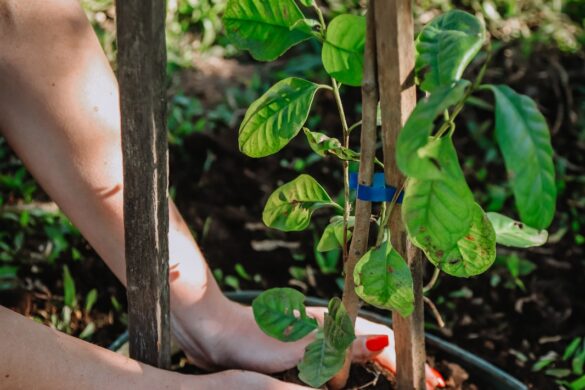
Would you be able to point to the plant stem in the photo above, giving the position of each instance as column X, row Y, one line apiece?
column 345, row 136
column 321, row 19
column 388, row 206
column 435, row 312
column 357, row 124
column 433, row 280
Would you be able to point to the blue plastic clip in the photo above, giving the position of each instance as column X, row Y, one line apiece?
column 379, row 191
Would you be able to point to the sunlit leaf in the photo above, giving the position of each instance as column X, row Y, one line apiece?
column 446, row 46
column 343, row 49
column 276, row 117
column 290, row 207
column 524, row 139
column 281, row 313
column 516, row 234
column 264, row 27
column 383, row 279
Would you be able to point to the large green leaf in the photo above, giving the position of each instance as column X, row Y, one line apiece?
column 343, row 49
column 267, row 28
column 320, row 362
column 516, row 234
column 411, row 155
column 290, row 207
column 383, row 279
column 446, row 46
column 276, row 117
column 332, row 237
column 471, row 255
column 438, row 212
column 281, row 313
column 338, row 327
column 524, row 139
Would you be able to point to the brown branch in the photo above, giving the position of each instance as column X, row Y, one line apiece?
column 435, row 312
column 363, row 210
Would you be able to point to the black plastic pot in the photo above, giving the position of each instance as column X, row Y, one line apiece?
column 484, row 374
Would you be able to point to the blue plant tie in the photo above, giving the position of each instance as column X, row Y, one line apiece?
column 379, row 191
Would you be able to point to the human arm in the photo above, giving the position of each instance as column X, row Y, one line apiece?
column 59, row 111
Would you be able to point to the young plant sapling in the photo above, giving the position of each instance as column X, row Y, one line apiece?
column 438, row 209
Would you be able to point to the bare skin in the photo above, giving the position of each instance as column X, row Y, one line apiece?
column 59, row 112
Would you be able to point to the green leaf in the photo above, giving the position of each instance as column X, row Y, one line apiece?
column 290, row 207
column 524, row 139
column 343, row 49
column 90, row 300
column 411, row 155
column 383, row 279
column 88, row 331
column 264, row 27
column 578, row 362
column 332, row 237
column 445, row 47
column 572, row 348
column 281, row 313
column 327, row 261
column 323, row 145
column 544, row 361
column 320, row 362
column 307, row 3
column 276, row 117
column 558, row 372
column 516, row 234
column 578, row 384
column 471, row 255
column 338, row 328
column 437, row 213
column 68, row 288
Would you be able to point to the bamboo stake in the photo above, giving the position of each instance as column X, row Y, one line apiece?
column 395, row 49
column 363, row 211
column 142, row 77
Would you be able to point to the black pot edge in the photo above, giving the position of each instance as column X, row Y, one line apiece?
column 489, row 376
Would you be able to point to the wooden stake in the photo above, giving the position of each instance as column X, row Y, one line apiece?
column 363, row 209
column 395, row 51
column 142, row 77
